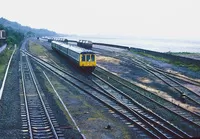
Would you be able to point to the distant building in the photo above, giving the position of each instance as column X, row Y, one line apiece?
column 2, row 35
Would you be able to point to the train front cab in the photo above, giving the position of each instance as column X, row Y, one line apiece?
column 88, row 61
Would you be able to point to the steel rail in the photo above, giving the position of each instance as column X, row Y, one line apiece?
column 41, row 99
column 60, row 75
column 65, row 107
column 134, row 102
column 189, row 120
column 25, row 100
column 191, row 95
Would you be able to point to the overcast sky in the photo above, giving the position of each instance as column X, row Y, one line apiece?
column 153, row 18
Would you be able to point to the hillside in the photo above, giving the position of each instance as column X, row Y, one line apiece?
column 25, row 29
column 12, row 36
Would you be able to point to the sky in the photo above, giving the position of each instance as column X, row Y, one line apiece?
column 148, row 18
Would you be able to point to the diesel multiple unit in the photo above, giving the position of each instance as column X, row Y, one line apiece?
column 83, row 58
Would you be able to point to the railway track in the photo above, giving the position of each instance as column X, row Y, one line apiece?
column 181, row 77
column 141, row 110
column 172, row 80
column 38, row 120
column 171, row 73
column 127, row 90
column 136, row 120
column 185, row 93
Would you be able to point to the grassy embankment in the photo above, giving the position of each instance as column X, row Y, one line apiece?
column 37, row 49
column 182, row 53
column 4, row 58
column 174, row 62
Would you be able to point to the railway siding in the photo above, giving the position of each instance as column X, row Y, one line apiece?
column 151, row 101
column 191, row 96
column 144, row 112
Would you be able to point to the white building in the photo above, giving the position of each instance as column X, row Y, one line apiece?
column 2, row 34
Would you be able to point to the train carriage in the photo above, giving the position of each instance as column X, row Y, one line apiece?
column 85, row 44
column 86, row 59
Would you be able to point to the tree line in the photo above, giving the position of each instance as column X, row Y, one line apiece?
column 12, row 36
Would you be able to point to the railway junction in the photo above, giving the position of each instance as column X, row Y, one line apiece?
column 130, row 94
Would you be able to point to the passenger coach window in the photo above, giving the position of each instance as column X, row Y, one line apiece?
column 83, row 57
column 92, row 57
column 88, row 57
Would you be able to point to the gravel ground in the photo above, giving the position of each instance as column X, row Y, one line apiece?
column 10, row 120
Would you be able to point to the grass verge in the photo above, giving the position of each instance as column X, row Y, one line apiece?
column 191, row 66
column 36, row 49
column 4, row 58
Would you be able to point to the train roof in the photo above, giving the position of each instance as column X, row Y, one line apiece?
column 73, row 48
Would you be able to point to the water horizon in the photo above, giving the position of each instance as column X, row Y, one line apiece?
column 153, row 44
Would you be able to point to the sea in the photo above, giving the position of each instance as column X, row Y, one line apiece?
column 153, row 44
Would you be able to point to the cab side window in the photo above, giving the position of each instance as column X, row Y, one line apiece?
column 83, row 57
column 92, row 57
